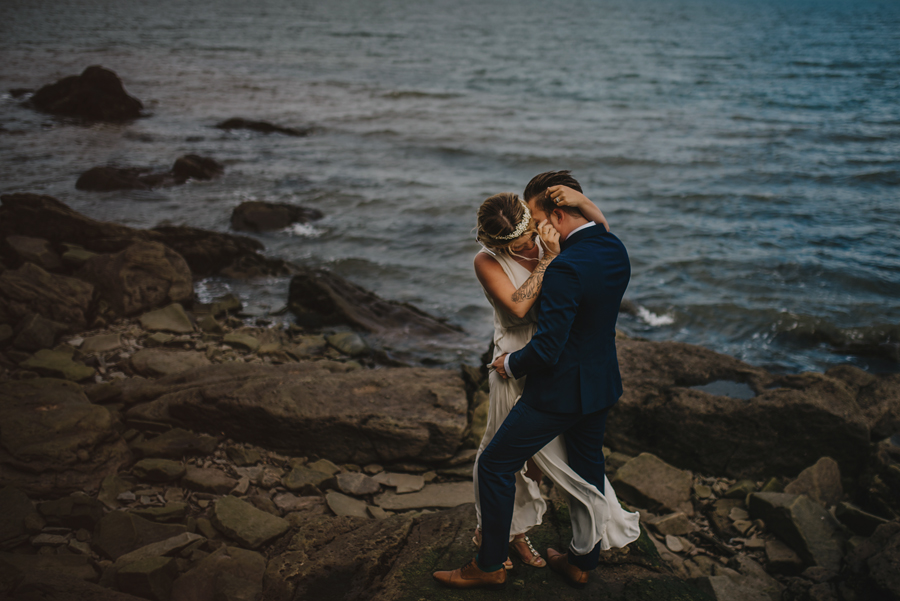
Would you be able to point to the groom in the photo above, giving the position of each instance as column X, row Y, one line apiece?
column 573, row 380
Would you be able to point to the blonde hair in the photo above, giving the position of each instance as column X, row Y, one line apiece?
column 498, row 217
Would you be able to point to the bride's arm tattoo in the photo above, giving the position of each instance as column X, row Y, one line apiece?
column 532, row 286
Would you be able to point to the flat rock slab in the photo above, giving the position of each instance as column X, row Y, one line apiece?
column 169, row 546
column 102, row 343
column 208, row 480
column 56, row 364
column 650, row 483
column 360, row 417
column 158, row 470
column 120, row 532
column 155, row 363
column 357, row 484
column 176, row 443
column 305, row 480
column 342, row 505
column 170, row 512
column 43, row 465
column 168, row 319
column 433, row 495
column 244, row 523
column 289, row 503
column 242, row 342
column 403, row 483
column 807, row 527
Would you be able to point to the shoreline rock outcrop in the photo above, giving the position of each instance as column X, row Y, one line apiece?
column 97, row 95
column 110, row 178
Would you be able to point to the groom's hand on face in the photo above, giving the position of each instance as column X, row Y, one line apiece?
column 499, row 367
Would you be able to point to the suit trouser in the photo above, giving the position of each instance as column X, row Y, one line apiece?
column 524, row 432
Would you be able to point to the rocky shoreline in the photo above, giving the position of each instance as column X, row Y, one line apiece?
column 156, row 447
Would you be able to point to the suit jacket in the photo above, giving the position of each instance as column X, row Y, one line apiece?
column 571, row 361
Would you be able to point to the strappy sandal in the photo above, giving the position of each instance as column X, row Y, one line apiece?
column 476, row 540
column 523, row 548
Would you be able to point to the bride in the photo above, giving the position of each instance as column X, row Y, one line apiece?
column 510, row 268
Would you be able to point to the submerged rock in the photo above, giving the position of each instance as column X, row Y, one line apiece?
column 260, row 216
column 108, row 178
column 192, row 166
column 260, row 126
column 97, row 94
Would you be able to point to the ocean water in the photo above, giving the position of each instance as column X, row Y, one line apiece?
column 747, row 153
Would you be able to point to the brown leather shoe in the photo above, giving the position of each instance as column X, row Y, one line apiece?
column 471, row 576
column 559, row 562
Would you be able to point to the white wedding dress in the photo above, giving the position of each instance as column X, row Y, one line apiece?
column 595, row 516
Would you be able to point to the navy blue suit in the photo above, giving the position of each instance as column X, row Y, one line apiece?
column 571, row 361
column 573, row 380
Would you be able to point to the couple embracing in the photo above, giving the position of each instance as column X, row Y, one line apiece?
column 555, row 276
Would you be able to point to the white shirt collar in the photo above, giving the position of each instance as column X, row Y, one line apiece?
column 581, row 227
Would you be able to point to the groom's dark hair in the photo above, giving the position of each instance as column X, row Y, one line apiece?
column 537, row 189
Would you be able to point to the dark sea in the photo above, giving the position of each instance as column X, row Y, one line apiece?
column 747, row 153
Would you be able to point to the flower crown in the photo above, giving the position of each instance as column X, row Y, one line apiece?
column 520, row 228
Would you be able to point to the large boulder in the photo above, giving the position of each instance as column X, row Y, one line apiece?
column 809, row 415
column 53, row 440
column 648, row 482
column 144, row 276
column 97, row 94
column 321, row 297
column 315, row 408
column 29, row 290
column 260, row 216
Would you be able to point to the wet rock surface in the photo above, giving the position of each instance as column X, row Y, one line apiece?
column 153, row 446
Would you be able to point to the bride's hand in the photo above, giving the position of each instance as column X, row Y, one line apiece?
column 549, row 236
column 564, row 196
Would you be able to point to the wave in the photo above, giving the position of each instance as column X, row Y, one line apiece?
column 402, row 94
